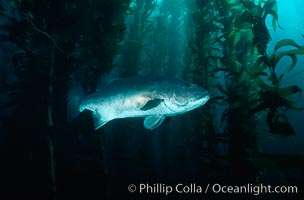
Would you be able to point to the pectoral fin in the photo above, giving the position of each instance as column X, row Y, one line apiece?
column 153, row 122
column 98, row 121
column 151, row 104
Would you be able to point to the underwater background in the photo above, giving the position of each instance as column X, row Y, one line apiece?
column 247, row 53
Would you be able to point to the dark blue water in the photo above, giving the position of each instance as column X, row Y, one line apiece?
column 90, row 164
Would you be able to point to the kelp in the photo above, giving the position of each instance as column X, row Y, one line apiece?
column 257, row 76
column 151, row 40
column 245, row 82
column 56, row 42
column 201, row 61
column 139, row 24
column 233, row 53
column 274, row 95
column 240, row 40
column 250, row 87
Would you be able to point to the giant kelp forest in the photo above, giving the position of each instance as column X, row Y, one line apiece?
column 49, row 46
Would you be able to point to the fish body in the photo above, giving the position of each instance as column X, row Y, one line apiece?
column 153, row 98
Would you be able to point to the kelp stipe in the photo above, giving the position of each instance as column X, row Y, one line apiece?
column 56, row 41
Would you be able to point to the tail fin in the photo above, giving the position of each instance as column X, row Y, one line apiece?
column 74, row 98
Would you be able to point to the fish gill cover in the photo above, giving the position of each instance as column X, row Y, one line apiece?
column 223, row 46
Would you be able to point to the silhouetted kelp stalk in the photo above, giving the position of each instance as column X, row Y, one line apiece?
column 50, row 120
column 25, row 62
column 57, row 41
column 201, row 33
column 151, row 43
column 140, row 25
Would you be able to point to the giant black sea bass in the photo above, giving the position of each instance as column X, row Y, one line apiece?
column 153, row 98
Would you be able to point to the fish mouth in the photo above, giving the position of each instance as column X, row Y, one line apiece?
column 203, row 99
